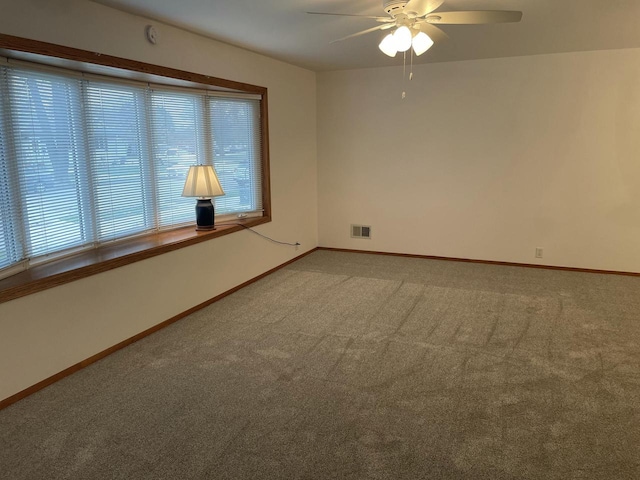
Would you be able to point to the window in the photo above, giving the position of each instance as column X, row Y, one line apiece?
column 86, row 160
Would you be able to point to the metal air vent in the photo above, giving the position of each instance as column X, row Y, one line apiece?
column 360, row 231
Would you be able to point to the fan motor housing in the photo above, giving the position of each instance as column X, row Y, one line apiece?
column 393, row 7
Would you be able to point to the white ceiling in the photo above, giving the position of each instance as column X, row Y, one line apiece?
column 281, row 29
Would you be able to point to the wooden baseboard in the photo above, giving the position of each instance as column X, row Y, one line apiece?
column 84, row 363
column 486, row 262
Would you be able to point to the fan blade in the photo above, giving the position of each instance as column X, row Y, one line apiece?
column 436, row 34
column 474, row 17
column 422, row 7
column 377, row 19
column 368, row 30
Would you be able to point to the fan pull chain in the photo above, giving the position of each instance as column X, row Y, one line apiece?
column 404, row 71
column 411, row 72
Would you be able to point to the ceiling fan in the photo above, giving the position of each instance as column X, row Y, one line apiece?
column 415, row 23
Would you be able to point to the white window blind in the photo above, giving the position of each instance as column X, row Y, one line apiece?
column 235, row 129
column 45, row 126
column 120, row 191
column 177, row 143
column 8, row 254
column 85, row 161
column 5, row 255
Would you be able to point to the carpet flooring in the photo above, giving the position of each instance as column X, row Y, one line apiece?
column 356, row 366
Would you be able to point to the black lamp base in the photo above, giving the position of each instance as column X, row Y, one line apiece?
column 205, row 214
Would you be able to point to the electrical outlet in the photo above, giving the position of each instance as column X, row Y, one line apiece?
column 539, row 252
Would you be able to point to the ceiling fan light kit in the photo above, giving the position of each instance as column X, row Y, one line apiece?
column 402, row 38
column 421, row 43
column 410, row 18
column 414, row 22
column 388, row 45
column 394, row 42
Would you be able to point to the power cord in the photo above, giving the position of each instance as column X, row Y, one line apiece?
column 261, row 235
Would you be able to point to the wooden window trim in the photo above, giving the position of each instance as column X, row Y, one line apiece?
column 118, row 254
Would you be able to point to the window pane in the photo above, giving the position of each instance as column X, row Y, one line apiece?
column 176, row 145
column 237, row 153
column 45, row 118
column 116, row 126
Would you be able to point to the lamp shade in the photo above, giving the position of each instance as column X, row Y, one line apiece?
column 388, row 45
column 421, row 43
column 202, row 182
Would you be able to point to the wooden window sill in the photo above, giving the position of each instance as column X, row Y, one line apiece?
column 108, row 257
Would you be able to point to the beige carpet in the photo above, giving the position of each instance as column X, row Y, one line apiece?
column 353, row 366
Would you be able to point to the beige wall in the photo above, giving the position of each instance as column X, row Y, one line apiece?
column 45, row 333
column 487, row 159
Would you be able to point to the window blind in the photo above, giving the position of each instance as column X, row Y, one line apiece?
column 235, row 130
column 5, row 255
column 120, row 190
column 8, row 254
column 177, row 143
column 45, row 116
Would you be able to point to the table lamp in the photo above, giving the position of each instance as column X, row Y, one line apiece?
column 202, row 182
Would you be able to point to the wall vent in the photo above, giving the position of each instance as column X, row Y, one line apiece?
column 360, row 231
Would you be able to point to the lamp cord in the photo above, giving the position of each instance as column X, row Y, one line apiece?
column 261, row 235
